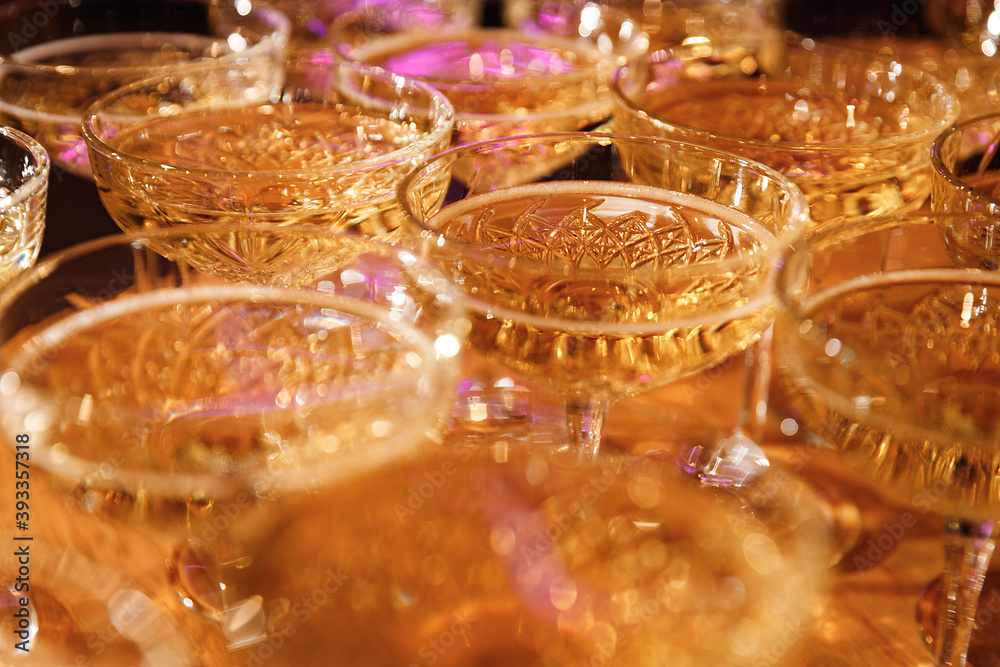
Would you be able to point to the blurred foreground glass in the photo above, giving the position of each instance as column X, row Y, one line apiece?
column 313, row 20
column 514, row 555
column 852, row 129
column 626, row 263
column 78, row 607
column 180, row 404
column 502, row 82
column 307, row 141
column 60, row 56
column 889, row 354
column 24, row 179
column 967, row 178
column 660, row 23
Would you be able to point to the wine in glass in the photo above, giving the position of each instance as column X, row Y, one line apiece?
column 633, row 263
column 955, row 41
column 178, row 403
column 889, row 355
column 91, row 47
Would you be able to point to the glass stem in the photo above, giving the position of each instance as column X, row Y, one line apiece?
column 968, row 548
column 585, row 422
column 756, row 383
column 736, row 457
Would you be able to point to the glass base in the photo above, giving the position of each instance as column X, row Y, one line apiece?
column 837, row 488
column 735, row 460
column 80, row 612
column 984, row 648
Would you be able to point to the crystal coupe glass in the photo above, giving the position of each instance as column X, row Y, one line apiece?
column 501, row 81
column 631, row 263
column 852, row 129
column 59, row 57
column 889, row 354
column 298, row 141
column 24, row 179
column 965, row 179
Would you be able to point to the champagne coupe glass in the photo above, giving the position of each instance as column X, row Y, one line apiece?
column 57, row 57
column 179, row 402
column 660, row 23
column 511, row 554
column 852, row 129
column 502, row 82
column 313, row 20
column 24, row 179
column 84, row 49
column 632, row 263
column 306, row 141
column 955, row 41
column 966, row 178
column 889, row 354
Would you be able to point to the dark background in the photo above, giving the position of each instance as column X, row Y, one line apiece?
column 75, row 212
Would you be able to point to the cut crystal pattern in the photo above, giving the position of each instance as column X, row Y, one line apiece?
column 584, row 237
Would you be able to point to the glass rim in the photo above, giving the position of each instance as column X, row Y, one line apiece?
column 693, row 133
column 302, row 475
column 311, row 473
column 945, row 172
column 798, row 217
column 853, row 227
column 599, row 105
column 440, row 110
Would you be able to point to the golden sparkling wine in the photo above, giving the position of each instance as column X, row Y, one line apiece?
column 157, row 408
column 493, row 80
column 508, row 555
column 47, row 103
column 857, row 182
column 592, row 319
column 925, row 410
column 986, row 183
column 241, row 142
